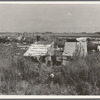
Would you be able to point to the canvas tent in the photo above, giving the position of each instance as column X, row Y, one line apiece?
column 71, row 47
column 81, row 39
column 80, row 46
column 39, row 49
column 98, row 47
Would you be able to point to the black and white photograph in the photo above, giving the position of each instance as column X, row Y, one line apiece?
column 50, row 48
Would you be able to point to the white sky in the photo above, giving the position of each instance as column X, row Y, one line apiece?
column 49, row 17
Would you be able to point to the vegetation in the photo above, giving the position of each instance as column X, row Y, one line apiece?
column 22, row 76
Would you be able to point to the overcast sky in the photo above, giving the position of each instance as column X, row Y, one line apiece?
column 48, row 17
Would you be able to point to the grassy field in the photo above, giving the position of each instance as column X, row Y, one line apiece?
column 22, row 76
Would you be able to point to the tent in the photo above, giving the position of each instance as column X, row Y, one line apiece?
column 81, row 39
column 98, row 48
column 71, row 47
column 38, row 49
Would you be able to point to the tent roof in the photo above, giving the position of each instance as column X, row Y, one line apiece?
column 81, row 39
column 37, row 50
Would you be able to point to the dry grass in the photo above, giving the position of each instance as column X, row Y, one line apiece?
column 21, row 76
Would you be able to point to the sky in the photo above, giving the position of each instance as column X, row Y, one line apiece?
column 49, row 17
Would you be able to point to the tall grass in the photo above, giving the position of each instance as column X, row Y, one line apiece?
column 22, row 76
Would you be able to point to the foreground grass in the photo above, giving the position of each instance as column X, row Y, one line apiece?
column 21, row 76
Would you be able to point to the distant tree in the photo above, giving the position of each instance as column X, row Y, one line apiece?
column 97, row 32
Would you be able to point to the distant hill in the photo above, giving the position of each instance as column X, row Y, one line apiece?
column 51, row 34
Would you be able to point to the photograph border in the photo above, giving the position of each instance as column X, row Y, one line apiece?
column 39, row 97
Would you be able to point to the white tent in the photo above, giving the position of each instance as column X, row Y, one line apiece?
column 71, row 47
column 39, row 50
column 98, row 48
column 81, row 39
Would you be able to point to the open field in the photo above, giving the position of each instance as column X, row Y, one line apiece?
column 21, row 76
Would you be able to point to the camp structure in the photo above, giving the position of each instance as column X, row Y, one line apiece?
column 98, row 48
column 73, row 47
column 40, row 49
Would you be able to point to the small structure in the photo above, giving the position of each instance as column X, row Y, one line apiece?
column 73, row 46
column 41, row 49
column 82, row 44
column 98, row 48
